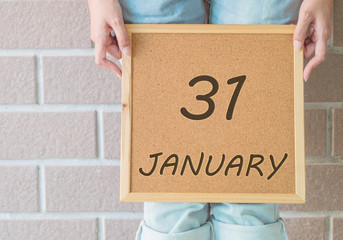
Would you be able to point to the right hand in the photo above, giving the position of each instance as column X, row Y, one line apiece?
column 106, row 15
column 317, row 14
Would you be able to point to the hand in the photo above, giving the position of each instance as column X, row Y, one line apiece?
column 317, row 14
column 106, row 15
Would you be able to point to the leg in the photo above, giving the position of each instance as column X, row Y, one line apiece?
column 237, row 221
column 162, row 221
column 179, row 221
column 248, row 221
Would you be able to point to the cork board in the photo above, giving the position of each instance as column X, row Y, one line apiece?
column 212, row 113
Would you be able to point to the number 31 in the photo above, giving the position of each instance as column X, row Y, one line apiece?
column 207, row 97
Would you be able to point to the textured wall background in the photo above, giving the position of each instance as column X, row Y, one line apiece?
column 60, row 133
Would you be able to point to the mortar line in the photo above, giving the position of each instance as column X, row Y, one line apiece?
column 59, row 107
column 335, row 50
column 39, row 80
column 100, row 138
column 60, row 162
column 70, row 215
column 327, row 228
column 41, row 184
column 331, row 229
column 329, row 119
column 324, row 160
column 323, row 105
column 101, row 228
column 48, row 52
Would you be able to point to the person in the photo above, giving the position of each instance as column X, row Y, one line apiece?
column 205, row 221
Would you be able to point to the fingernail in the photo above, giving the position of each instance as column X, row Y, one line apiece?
column 297, row 45
column 126, row 50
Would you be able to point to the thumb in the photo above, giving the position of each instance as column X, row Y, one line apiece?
column 300, row 31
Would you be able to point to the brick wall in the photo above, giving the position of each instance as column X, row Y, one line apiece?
column 60, row 133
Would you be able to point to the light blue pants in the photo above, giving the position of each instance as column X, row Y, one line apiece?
column 209, row 221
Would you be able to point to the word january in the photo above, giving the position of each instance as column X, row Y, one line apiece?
column 172, row 161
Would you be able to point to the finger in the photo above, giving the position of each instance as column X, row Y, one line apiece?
column 320, row 55
column 300, row 31
column 310, row 35
column 309, row 49
column 101, row 60
column 307, row 41
column 113, row 49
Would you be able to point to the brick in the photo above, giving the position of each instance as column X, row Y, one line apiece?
column 338, row 23
column 44, row 24
column 85, row 188
column 325, row 83
column 75, row 229
column 123, row 229
column 337, row 229
column 47, row 135
column 305, row 228
column 337, row 132
column 18, row 189
column 323, row 189
column 79, row 80
column 18, row 84
column 315, row 132
column 112, row 134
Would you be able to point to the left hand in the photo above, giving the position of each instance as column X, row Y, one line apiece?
column 317, row 14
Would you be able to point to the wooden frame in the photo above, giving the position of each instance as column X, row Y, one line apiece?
column 125, row 176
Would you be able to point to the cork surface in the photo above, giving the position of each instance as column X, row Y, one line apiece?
column 239, row 155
